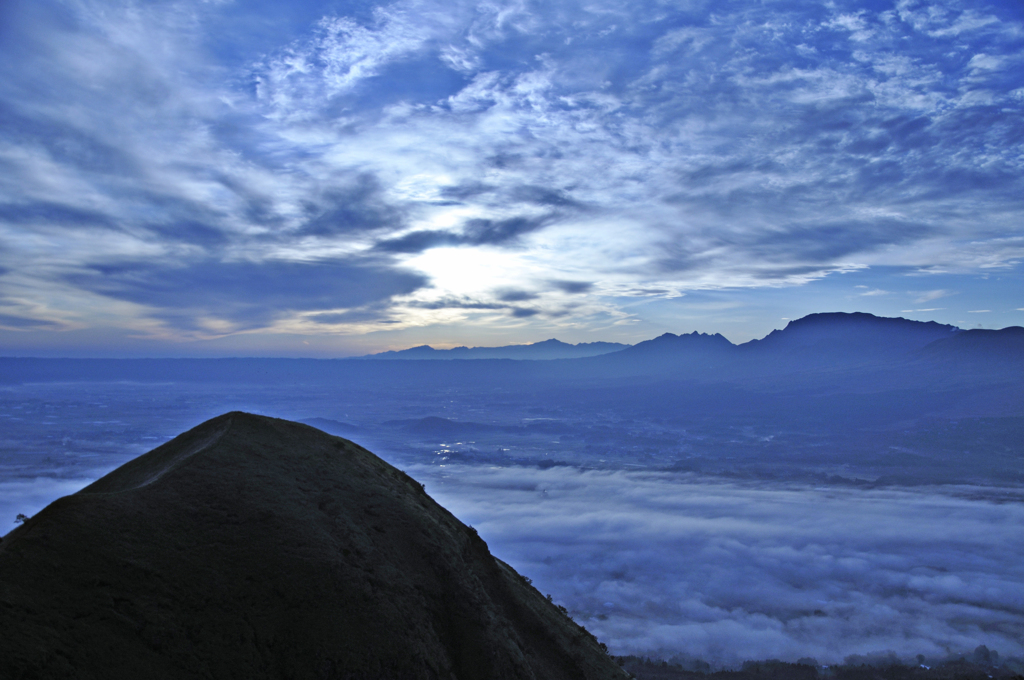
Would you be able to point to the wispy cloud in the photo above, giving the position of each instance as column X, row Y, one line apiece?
column 929, row 295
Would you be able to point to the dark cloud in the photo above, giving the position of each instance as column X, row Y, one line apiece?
column 247, row 293
column 194, row 232
column 496, row 232
column 68, row 144
column 467, row 190
column 450, row 302
column 352, row 316
column 777, row 273
column 476, row 232
column 418, row 241
column 356, row 208
column 545, row 196
column 825, row 243
column 572, row 286
column 26, row 323
column 505, row 160
column 52, row 213
column 793, row 250
column 515, row 295
column 256, row 206
column 524, row 312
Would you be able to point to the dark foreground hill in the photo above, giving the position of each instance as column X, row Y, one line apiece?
column 251, row 547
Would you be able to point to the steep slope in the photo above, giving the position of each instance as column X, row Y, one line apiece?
column 251, row 547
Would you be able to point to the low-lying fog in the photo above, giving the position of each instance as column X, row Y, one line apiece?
column 672, row 563
column 668, row 564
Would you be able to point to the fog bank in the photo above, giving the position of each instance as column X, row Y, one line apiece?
column 675, row 564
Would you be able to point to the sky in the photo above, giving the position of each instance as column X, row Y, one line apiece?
column 218, row 177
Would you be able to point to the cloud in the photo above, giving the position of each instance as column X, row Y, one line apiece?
column 929, row 295
column 23, row 322
column 455, row 303
column 513, row 295
column 573, row 287
column 668, row 564
column 353, row 316
column 247, row 294
column 524, row 312
column 29, row 496
column 493, row 232
column 418, row 241
column 769, row 145
column 359, row 207
column 476, row 232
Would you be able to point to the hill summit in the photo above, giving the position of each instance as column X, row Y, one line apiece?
column 252, row 547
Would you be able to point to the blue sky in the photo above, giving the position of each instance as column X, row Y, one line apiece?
column 210, row 177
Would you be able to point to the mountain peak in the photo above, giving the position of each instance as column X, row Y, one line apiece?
column 858, row 332
column 250, row 543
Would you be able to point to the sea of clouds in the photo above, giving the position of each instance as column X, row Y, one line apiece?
column 675, row 564
column 27, row 496
column 670, row 564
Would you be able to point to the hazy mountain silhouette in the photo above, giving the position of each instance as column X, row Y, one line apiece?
column 335, row 427
column 441, row 427
column 689, row 353
column 855, row 334
column 548, row 349
column 668, row 344
column 980, row 344
column 253, row 547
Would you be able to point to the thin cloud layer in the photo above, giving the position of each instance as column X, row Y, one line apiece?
column 629, row 151
column 674, row 564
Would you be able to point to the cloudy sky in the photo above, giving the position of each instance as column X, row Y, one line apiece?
column 203, row 177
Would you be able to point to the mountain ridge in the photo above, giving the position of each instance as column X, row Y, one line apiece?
column 857, row 332
column 551, row 348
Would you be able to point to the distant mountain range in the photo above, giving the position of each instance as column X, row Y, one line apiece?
column 856, row 332
column 816, row 341
column 814, row 336
column 251, row 547
column 546, row 350
column 816, row 344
